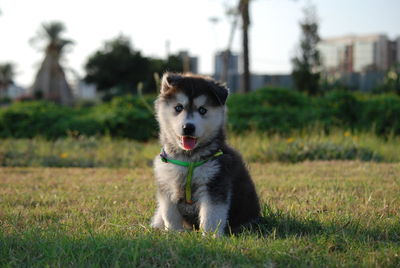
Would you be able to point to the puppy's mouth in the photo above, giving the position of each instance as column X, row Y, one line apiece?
column 188, row 142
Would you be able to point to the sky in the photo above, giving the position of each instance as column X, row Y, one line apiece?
column 185, row 24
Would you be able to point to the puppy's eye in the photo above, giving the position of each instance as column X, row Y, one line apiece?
column 178, row 108
column 202, row 110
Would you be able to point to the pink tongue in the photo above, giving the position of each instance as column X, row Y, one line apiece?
column 188, row 143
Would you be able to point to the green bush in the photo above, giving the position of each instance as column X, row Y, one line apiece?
column 269, row 110
column 339, row 108
column 266, row 110
column 282, row 111
column 382, row 113
column 33, row 119
column 127, row 117
column 123, row 117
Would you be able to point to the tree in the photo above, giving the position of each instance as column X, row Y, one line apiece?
column 50, row 82
column 245, row 15
column 6, row 74
column 240, row 10
column 173, row 63
column 306, row 65
column 6, row 78
column 118, row 69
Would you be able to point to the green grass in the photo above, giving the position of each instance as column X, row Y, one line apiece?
column 317, row 214
column 106, row 152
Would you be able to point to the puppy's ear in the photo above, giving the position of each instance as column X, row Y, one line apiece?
column 169, row 81
column 221, row 92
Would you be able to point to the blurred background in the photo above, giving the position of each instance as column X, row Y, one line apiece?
column 357, row 40
column 84, row 69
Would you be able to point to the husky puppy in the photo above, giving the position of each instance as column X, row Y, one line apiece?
column 191, row 112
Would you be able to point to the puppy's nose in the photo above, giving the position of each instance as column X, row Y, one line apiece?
column 188, row 129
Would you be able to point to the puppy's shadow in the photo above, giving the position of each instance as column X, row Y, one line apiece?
column 280, row 225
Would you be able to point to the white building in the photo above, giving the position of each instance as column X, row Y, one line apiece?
column 371, row 52
column 12, row 91
column 336, row 53
column 356, row 53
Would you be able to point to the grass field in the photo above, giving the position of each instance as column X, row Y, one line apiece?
column 255, row 147
column 317, row 214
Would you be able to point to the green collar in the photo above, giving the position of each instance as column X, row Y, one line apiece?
column 191, row 166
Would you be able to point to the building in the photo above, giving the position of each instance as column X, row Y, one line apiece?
column 190, row 63
column 219, row 63
column 398, row 49
column 392, row 53
column 371, row 53
column 12, row 91
column 86, row 91
column 356, row 53
column 271, row 80
column 232, row 75
column 358, row 62
column 337, row 54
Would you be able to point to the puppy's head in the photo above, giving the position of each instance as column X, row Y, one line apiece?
column 190, row 109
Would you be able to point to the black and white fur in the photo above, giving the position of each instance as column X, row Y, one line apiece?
column 223, row 193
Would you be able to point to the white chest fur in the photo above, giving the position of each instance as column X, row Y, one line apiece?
column 171, row 178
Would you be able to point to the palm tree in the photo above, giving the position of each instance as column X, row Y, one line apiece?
column 244, row 12
column 50, row 82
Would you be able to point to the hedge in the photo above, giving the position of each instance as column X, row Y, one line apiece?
column 267, row 110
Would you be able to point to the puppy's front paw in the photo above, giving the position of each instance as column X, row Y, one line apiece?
column 157, row 223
